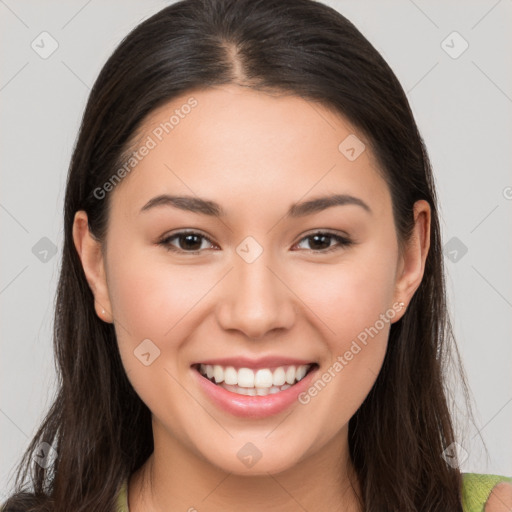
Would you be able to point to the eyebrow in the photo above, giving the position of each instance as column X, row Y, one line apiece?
column 206, row 207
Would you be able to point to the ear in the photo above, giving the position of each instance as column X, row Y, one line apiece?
column 411, row 264
column 89, row 251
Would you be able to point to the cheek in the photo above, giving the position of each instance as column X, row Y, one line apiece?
column 150, row 301
column 354, row 304
column 356, row 340
column 149, row 297
column 150, row 304
column 350, row 295
column 351, row 306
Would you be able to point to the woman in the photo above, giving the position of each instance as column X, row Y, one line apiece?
column 251, row 308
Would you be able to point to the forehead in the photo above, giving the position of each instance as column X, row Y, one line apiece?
column 250, row 148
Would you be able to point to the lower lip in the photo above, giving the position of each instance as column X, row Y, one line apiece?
column 253, row 406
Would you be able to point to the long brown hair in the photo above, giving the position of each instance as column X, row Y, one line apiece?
column 99, row 427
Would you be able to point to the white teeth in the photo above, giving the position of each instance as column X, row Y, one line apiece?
column 254, row 391
column 245, row 378
column 218, row 373
column 279, row 376
column 255, row 381
column 290, row 375
column 230, row 376
column 301, row 371
column 263, row 379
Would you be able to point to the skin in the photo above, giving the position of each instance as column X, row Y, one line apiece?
column 500, row 499
column 254, row 154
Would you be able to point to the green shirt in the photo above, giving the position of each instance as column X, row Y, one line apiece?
column 476, row 488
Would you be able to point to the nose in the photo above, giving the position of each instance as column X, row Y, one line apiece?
column 255, row 300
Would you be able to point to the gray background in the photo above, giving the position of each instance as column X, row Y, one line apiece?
column 462, row 106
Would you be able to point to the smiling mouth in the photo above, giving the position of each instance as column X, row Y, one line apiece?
column 249, row 382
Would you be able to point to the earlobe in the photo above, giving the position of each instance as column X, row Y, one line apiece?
column 90, row 254
column 412, row 261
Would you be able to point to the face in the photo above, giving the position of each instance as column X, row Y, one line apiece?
column 259, row 282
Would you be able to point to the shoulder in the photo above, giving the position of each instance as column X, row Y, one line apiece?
column 500, row 499
column 486, row 492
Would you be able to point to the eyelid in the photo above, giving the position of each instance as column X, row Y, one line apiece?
column 343, row 239
column 164, row 240
column 320, row 231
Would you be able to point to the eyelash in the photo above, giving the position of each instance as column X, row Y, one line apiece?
column 343, row 241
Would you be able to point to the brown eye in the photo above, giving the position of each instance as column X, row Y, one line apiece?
column 321, row 241
column 187, row 241
column 191, row 242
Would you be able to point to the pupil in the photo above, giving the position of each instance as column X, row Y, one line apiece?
column 316, row 237
column 188, row 237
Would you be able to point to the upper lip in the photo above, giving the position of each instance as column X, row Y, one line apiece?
column 263, row 362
